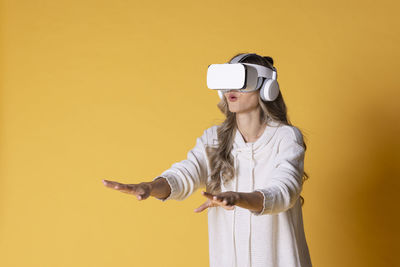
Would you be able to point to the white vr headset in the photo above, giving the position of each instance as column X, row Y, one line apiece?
column 244, row 77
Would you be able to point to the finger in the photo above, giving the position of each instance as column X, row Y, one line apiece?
column 140, row 194
column 106, row 182
column 225, row 204
column 207, row 195
column 139, row 191
column 202, row 207
column 218, row 198
column 229, row 205
column 110, row 184
column 125, row 188
column 119, row 186
column 221, row 204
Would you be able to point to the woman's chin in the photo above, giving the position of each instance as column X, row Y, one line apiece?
column 233, row 110
column 240, row 110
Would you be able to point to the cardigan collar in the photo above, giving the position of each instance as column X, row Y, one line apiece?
column 263, row 140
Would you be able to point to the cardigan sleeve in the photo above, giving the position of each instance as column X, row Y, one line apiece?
column 285, row 184
column 186, row 176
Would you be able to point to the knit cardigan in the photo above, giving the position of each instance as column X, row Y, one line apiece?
column 272, row 165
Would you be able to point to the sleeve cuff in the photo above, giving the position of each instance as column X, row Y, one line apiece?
column 268, row 201
column 173, row 184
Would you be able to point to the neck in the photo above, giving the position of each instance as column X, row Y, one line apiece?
column 249, row 125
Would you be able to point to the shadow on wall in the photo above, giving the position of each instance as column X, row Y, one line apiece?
column 371, row 202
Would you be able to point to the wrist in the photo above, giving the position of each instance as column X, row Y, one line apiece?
column 153, row 185
column 150, row 185
column 159, row 188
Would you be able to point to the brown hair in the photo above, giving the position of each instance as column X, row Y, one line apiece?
column 220, row 159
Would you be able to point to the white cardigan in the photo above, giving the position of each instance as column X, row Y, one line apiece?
column 272, row 165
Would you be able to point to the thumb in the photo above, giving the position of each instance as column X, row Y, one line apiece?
column 139, row 192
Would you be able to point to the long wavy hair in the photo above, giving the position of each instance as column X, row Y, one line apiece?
column 220, row 159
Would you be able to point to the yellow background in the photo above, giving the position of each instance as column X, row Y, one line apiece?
column 94, row 90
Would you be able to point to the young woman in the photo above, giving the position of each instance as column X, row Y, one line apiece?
column 252, row 166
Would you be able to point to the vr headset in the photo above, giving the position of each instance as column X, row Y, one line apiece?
column 244, row 77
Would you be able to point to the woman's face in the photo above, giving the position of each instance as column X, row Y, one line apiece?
column 242, row 102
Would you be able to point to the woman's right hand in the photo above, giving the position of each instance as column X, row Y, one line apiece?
column 141, row 190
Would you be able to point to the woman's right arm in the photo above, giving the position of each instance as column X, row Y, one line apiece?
column 186, row 176
column 177, row 182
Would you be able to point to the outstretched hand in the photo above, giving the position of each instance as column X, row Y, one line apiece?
column 227, row 200
column 141, row 190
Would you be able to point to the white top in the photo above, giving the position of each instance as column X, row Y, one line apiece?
column 272, row 165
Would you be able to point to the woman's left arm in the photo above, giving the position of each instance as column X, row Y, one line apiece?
column 283, row 186
column 253, row 201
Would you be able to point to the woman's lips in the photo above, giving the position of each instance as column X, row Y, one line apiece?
column 232, row 97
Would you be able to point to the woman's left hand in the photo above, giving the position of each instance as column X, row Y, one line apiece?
column 227, row 200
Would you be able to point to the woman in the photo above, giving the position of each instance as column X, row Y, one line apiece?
column 252, row 166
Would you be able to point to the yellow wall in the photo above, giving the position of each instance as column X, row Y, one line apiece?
column 117, row 90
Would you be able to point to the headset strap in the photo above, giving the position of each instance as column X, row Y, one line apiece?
column 240, row 57
column 262, row 71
